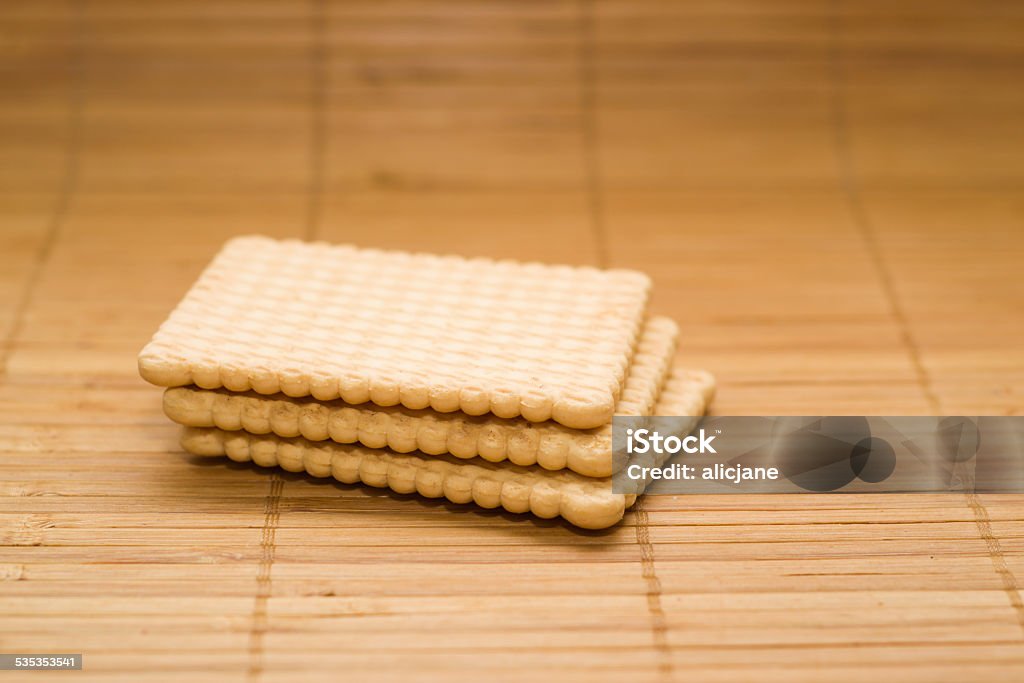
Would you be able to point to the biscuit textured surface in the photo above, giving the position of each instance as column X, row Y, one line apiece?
column 583, row 501
column 548, row 444
column 394, row 328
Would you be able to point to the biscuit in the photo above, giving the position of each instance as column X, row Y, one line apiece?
column 585, row 502
column 549, row 444
column 395, row 328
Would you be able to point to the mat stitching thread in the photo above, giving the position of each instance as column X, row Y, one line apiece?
column 659, row 626
column 318, row 119
column 272, row 504
column 595, row 208
column 590, row 136
column 268, row 549
column 68, row 182
column 866, row 228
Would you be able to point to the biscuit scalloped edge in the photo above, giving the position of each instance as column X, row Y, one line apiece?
column 586, row 504
column 583, row 407
column 550, row 445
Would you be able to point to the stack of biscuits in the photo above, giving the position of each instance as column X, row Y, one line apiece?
column 480, row 381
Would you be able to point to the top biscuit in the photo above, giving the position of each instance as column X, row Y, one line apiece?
column 442, row 332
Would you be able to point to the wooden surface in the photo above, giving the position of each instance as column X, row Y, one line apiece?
column 828, row 196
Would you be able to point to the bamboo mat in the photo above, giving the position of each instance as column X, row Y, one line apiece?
column 828, row 196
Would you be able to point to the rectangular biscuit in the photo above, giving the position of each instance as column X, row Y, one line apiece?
column 583, row 501
column 394, row 328
column 549, row 444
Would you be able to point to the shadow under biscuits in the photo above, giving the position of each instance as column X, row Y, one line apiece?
column 524, row 525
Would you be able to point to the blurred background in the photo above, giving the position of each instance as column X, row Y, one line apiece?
column 801, row 178
column 829, row 196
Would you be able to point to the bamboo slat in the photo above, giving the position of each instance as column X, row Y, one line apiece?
column 829, row 200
